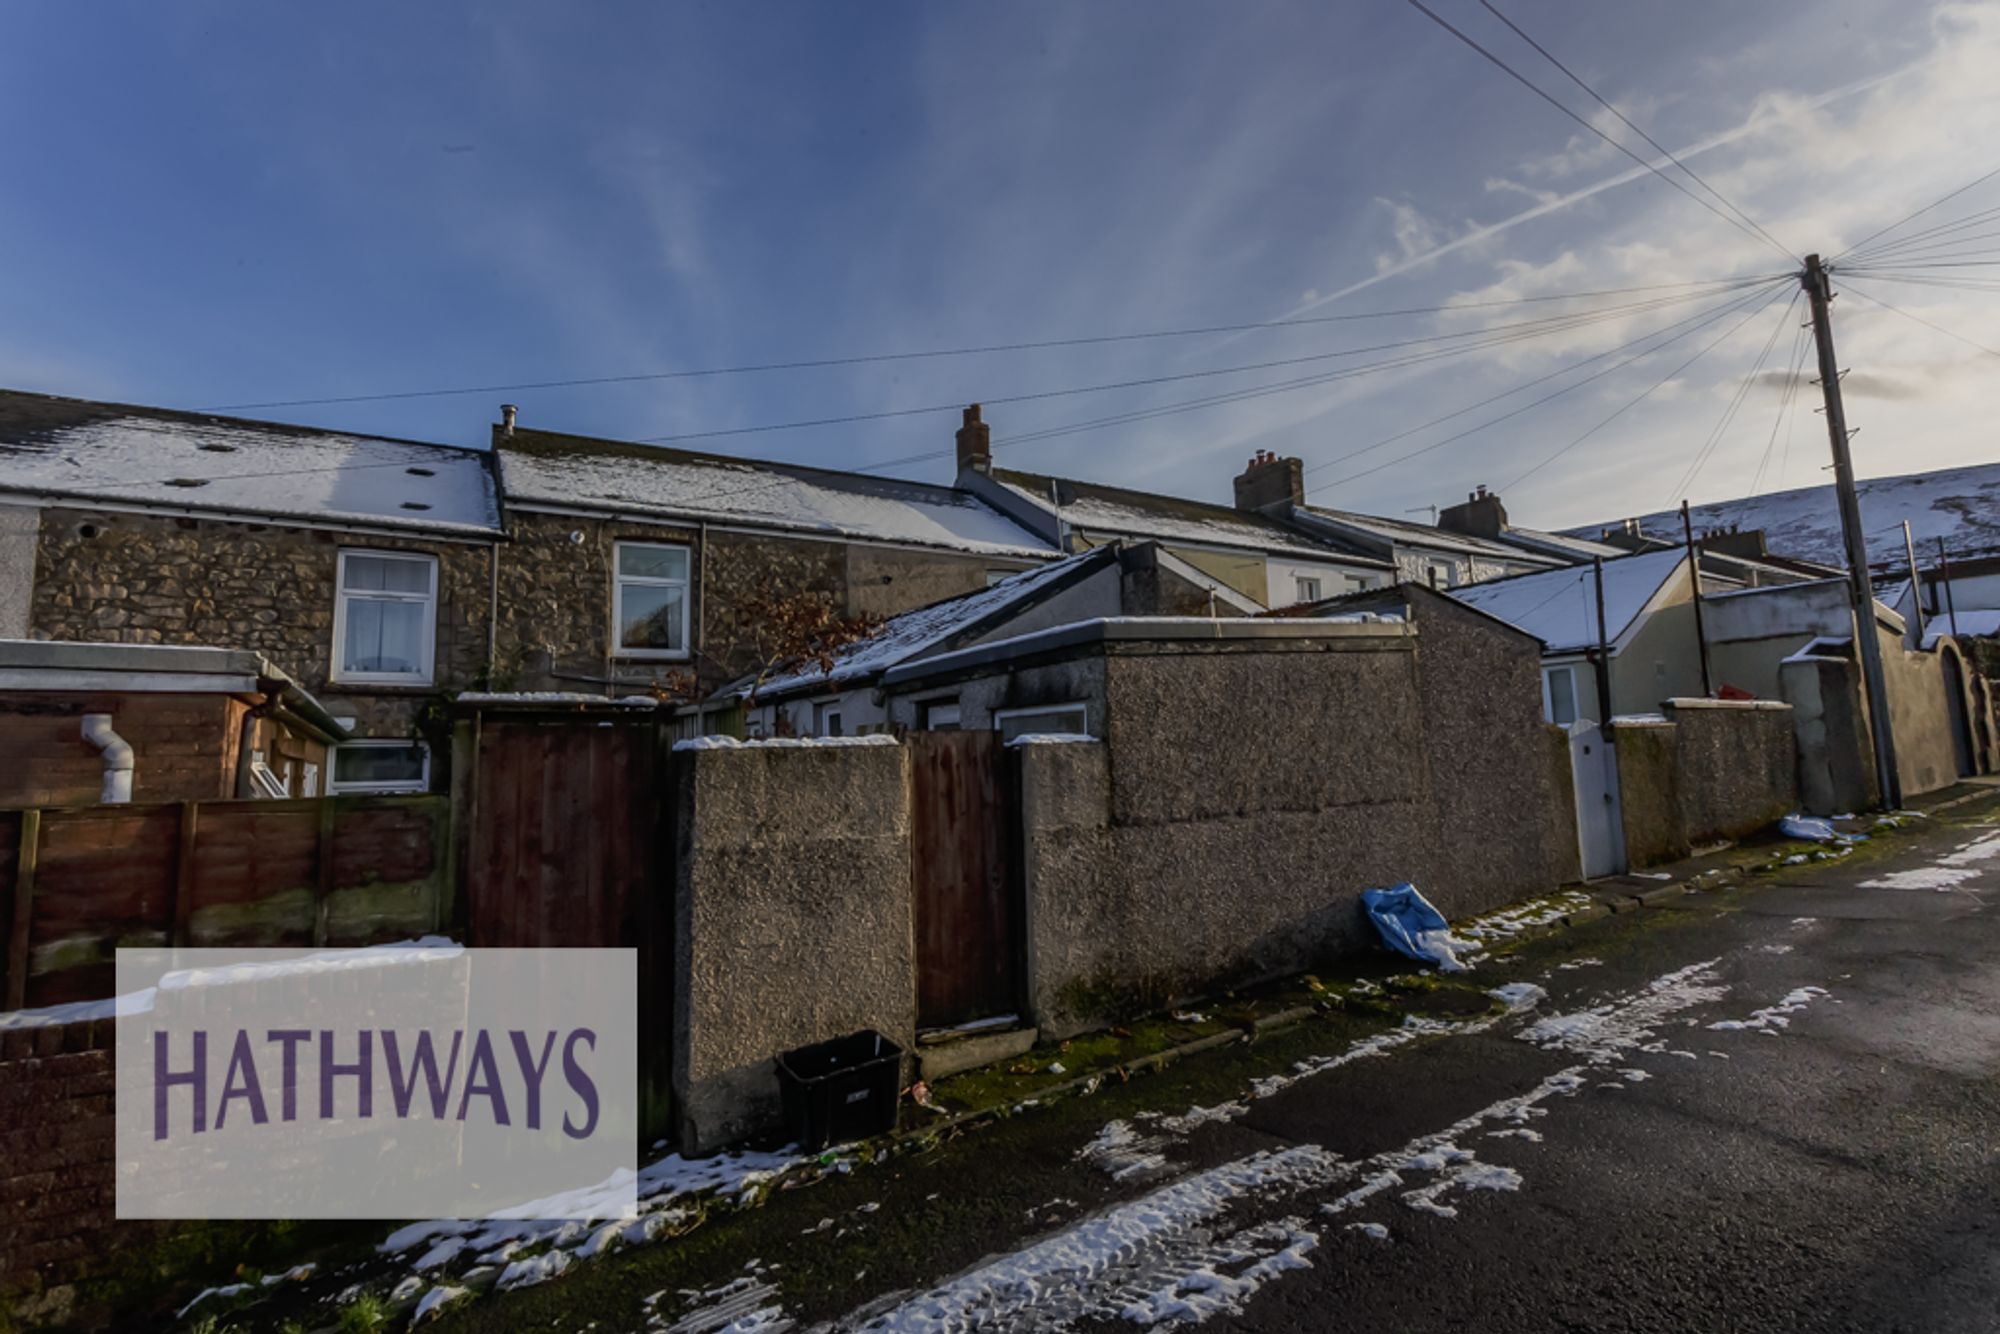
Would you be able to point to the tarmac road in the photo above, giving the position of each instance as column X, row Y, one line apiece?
column 1768, row 1108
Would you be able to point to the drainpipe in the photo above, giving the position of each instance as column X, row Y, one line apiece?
column 117, row 758
column 263, row 708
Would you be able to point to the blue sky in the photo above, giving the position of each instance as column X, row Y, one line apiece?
column 220, row 204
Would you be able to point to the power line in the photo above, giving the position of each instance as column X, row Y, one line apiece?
column 1927, row 233
column 1786, row 396
column 1644, row 394
column 821, row 363
column 1529, row 84
column 1735, row 405
column 1546, row 324
column 1865, row 296
column 1698, row 320
column 1909, row 217
column 1711, row 317
column 1285, row 386
column 1628, row 123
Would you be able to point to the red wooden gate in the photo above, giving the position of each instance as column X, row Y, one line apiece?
column 968, row 911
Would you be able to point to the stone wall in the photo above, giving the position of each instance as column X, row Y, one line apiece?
column 153, row 579
column 792, row 919
column 20, row 526
column 556, row 595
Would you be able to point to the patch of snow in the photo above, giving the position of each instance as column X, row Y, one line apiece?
column 1052, row 739
column 433, row 1302
column 1519, row 996
column 1257, row 1255
column 783, row 742
column 555, row 697
column 532, row 1271
column 1121, row 1152
column 1774, row 1017
column 1377, row 1231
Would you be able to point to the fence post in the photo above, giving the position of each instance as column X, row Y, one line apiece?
column 24, row 904
column 323, row 889
column 182, row 907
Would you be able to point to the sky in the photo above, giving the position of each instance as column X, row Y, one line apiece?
column 212, row 205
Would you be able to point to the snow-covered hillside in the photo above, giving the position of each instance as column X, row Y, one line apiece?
column 1961, row 505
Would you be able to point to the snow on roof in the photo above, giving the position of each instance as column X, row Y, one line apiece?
column 538, row 467
column 1561, row 544
column 1970, row 625
column 1559, row 607
column 1143, row 514
column 905, row 636
column 192, row 461
column 1960, row 505
column 1419, row 534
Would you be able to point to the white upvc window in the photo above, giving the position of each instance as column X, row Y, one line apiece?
column 1441, row 573
column 1061, row 719
column 381, row 766
column 1559, row 695
column 385, row 617
column 650, row 600
column 941, row 715
column 1308, row 587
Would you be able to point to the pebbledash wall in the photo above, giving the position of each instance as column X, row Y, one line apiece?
column 1703, row 771
column 793, row 918
column 1327, row 768
column 130, row 578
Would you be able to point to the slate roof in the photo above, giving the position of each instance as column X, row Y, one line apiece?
column 75, row 449
column 578, row 472
column 1116, row 512
column 1559, row 607
column 1427, row 535
column 939, row 625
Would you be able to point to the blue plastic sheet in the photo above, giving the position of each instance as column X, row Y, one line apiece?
column 1410, row 925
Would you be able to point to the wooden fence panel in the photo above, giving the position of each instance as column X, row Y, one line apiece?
column 335, row 870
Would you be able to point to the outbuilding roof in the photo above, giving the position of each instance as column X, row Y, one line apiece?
column 1559, row 607
column 1423, row 535
column 74, row 449
column 543, row 468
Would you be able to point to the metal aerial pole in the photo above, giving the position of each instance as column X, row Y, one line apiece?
column 1819, row 296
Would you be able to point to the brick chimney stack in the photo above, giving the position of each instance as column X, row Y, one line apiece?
column 975, row 443
column 1482, row 515
column 1270, row 485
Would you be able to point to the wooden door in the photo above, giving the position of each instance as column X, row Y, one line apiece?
column 968, row 913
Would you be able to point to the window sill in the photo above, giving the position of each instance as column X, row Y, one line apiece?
column 651, row 655
column 397, row 686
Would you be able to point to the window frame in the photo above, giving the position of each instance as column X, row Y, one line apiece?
column 1441, row 572
column 1079, row 707
column 1549, row 694
column 427, row 640
column 1299, row 588
column 335, row 787
column 619, row 580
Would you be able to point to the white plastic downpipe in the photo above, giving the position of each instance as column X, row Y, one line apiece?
column 117, row 758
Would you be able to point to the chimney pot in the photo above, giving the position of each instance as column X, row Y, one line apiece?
column 507, row 414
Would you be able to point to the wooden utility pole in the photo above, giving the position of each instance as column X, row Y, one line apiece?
column 1916, row 584
column 1694, row 572
column 1819, row 296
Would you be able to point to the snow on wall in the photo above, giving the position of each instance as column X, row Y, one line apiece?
column 247, row 467
column 1960, row 505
